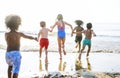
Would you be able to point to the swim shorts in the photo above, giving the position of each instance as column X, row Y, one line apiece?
column 13, row 58
column 61, row 34
column 44, row 43
column 86, row 42
column 78, row 39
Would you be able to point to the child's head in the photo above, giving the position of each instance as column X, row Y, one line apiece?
column 79, row 22
column 60, row 17
column 12, row 22
column 42, row 24
column 89, row 25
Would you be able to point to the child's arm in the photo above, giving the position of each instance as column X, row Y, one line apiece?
column 73, row 32
column 50, row 30
column 28, row 37
column 69, row 25
column 39, row 35
column 52, row 27
column 93, row 33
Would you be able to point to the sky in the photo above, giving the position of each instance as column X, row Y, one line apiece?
column 32, row 11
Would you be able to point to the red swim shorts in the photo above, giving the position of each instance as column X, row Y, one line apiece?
column 44, row 43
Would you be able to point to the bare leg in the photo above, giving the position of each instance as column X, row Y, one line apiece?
column 40, row 52
column 63, row 42
column 9, row 71
column 46, row 63
column 46, row 55
column 76, row 45
column 89, row 48
column 79, row 43
column 15, row 75
column 79, row 57
column 59, row 47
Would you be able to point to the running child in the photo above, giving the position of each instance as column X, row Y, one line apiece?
column 61, row 33
column 13, row 56
column 87, row 40
column 77, row 30
column 43, row 40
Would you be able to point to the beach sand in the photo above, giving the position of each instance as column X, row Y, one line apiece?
column 98, row 65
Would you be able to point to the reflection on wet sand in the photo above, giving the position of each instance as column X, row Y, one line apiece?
column 79, row 66
column 40, row 66
column 88, row 64
column 61, row 66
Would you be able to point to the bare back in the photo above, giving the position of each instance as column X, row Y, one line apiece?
column 88, row 33
column 44, row 32
column 79, row 29
column 13, row 41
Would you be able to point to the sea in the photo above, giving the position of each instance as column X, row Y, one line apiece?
column 107, row 39
column 104, row 55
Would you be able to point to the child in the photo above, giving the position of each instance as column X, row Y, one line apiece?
column 61, row 33
column 77, row 31
column 43, row 41
column 13, row 56
column 87, row 41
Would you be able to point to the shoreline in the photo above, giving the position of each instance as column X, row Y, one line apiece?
column 98, row 65
column 75, row 51
column 60, row 74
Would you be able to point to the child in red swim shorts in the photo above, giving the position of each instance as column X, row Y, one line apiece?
column 43, row 40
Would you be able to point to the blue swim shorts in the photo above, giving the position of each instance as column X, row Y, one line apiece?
column 61, row 34
column 13, row 58
column 86, row 42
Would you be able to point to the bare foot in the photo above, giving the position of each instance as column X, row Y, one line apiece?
column 78, row 51
column 46, row 60
column 76, row 46
column 87, row 55
column 64, row 52
column 60, row 58
column 79, row 57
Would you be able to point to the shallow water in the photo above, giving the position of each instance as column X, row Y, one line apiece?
column 107, row 39
column 97, row 62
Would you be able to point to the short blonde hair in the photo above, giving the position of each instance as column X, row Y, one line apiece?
column 13, row 21
column 42, row 24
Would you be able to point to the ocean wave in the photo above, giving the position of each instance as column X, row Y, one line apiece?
column 108, row 36
column 53, row 33
column 68, row 50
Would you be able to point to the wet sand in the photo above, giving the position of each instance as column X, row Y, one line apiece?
column 97, row 65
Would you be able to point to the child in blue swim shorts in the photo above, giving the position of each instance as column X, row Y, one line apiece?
column 13, row 56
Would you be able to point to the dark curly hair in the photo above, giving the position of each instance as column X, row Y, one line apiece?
column 12, row 22
column 89, row 25
column 79, row 22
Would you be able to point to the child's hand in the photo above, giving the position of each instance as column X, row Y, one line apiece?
column 71, row 34
column 94, row 35
column 51, row 27
column 36, row 39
